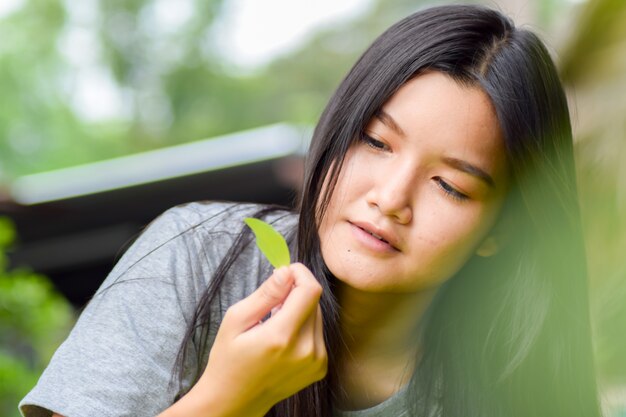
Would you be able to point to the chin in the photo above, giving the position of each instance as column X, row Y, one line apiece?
column 371, row 283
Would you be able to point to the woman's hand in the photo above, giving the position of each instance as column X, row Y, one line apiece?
column 254, row 365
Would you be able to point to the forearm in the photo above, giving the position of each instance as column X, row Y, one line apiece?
column 199, row 404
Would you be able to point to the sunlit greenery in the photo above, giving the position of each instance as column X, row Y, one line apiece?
column 167, row 87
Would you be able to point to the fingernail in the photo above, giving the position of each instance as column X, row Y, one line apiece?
column 279, row 276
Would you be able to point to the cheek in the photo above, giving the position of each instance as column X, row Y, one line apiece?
column 350, row 182
column 450, row 237
column 336, row 200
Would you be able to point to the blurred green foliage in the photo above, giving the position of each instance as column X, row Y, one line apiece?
column 34, row 319
column 172, row 85
column 594, row 70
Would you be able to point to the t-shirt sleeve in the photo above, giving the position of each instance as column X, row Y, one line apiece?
column 119, row 358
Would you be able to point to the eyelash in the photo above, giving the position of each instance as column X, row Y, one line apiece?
column 450, row 191
column 374, row 143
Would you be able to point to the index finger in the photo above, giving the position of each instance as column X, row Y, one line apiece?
column 301, row 302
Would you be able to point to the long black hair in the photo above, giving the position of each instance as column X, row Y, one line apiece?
column 507, row 335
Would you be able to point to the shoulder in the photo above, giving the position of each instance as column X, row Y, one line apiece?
column 186, row 245
column 192, row 238
column 223, row 216
column 218, row 223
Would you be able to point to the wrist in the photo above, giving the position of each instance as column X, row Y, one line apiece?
column 203, row 402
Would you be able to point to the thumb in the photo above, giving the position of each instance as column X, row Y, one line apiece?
column 271, row 293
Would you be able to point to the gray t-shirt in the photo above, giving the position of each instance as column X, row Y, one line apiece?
column 118, row 359
column 394, row 406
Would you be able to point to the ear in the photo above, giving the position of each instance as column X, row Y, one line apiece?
column 498, row 237
column 488, row 248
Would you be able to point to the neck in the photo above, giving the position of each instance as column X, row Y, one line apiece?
column 380, row 347
column 381, row 325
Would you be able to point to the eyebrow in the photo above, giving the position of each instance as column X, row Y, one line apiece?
column 388, row 121
column 458, row 164
column 470, row 169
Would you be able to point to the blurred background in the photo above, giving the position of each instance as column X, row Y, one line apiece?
column 113, row 111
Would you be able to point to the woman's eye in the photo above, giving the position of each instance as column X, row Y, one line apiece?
column 374, row 143
column 450, row 191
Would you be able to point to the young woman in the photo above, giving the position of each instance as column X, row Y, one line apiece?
column 440, row 260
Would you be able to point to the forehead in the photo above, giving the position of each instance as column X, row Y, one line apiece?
column 445, row 117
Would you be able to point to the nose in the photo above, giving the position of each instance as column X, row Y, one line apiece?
column 392, row 195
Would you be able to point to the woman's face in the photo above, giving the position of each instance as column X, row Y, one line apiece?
column 419, row 192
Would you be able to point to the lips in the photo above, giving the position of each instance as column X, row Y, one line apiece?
column 380, row 234
column 376, row 236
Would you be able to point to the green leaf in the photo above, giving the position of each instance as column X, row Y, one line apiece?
column 270, row 242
